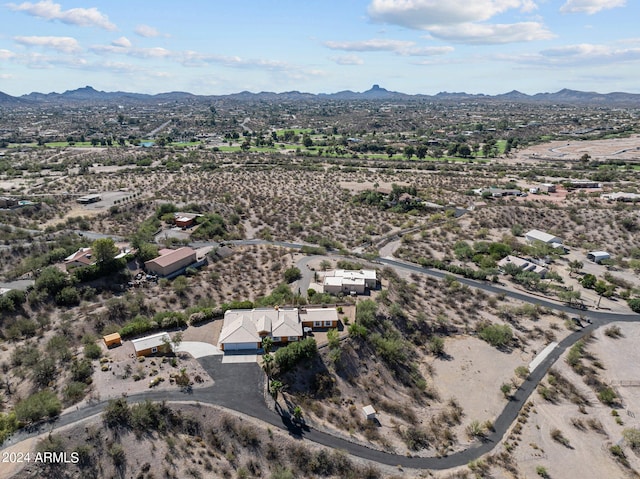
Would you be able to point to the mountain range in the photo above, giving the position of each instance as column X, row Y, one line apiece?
column 90, row 95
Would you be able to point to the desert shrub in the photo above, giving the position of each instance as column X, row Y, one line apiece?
column 8, row 425
column 613, row 331
column 92, row 351
column 286, row 358
column 44, row 372
column 292, row 274
column 117, row 414
column 74, row 392
column 497, row 335
column 556, row 435
column 634, row 304
column 607, row 396
column 632, row 436
column 68, row 296
column 138, row 325
column 82, row 371
column 38, row 406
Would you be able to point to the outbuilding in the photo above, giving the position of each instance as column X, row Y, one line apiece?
column 156, row 343
column 537, row 235
column 598, row 256
column 111, row 340
column 369, row 412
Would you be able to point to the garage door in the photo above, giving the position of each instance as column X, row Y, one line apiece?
column 239, row 346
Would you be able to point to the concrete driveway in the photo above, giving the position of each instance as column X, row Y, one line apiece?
column 198, row 349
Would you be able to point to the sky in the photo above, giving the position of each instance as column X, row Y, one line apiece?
column 215, row 47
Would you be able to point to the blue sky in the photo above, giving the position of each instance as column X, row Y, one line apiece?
column 413, row 46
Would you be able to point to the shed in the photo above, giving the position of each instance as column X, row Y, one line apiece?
column 537, row 235
column 369, row 412
column 111, row 340
column 153, row 344
column 598, row 256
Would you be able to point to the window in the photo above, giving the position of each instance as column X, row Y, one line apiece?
column 277, row 339
column 328, row 323
column 154, row 350
column 317, row 324
column 293, row 338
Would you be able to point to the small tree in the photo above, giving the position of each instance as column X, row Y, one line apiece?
column 292, row 274
column 104, row 250
column 297, row 413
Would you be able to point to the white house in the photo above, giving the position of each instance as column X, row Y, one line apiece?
column 244, row 329
column 347, row 281
column 537, row 235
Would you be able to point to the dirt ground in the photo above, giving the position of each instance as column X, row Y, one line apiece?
column 588, row 454
column 124, row 367
column 571, row 149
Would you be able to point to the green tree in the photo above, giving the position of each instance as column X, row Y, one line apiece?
column 498, row 335
column 421, row 152
column 147, row 251
column 575, row 266
column 588, row 281
column 51, row 280
column 292, row 274
column 104, row 250
column 38, row 406
column 603, row 289
column 409, row 151
column 634, row 304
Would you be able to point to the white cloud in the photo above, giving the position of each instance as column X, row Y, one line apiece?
column 61, row 44
column 475, row 33
column 400, row 47
column 421, row 14
column 579, row 55
column 460, row 20
column 122, row 42
column 147, row 31
column 40, row 61
column 373, row 45
column 590, row 6
column 6, row 54
column 6, row 76
column 46, row 9
column 348, row 60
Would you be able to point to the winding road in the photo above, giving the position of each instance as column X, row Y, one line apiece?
column 227, row 389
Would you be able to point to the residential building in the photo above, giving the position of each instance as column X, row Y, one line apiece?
column 349, row 281
column 156, row 343
column 82, row 257
column 171, row 261
column 245, row 329
column 316, row 318
column 548, row 187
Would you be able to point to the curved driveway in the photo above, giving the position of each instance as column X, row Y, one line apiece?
column 246, row 396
